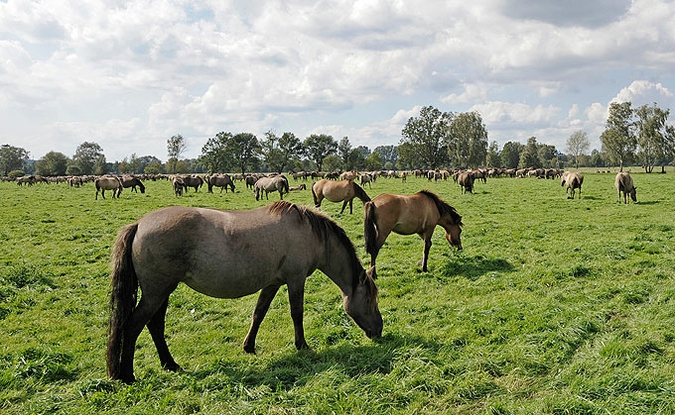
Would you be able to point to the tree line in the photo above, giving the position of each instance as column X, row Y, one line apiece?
column 432, row 140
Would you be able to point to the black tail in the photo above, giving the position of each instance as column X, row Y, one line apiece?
column 369, row 230
column 124, row 291
column 316, row 200
column 360, row 193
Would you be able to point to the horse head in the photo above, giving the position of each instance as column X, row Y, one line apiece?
column 361, row 304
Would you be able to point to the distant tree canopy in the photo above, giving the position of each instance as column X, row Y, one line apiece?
column 52, row 164
column 12, row 158
column 318, row 147
column 425, row 139
column 88, row 159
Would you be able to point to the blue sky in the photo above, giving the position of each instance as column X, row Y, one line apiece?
column 129, row 75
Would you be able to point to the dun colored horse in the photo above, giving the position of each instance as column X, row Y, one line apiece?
column 228, row 254
column 108, row 183
column 571, row 181
column 220, row 180
column 132, row 181
column 270, row 184
column 419, row 213
column 344, row 190
column 624, row 183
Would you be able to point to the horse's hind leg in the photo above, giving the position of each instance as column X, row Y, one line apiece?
column 425, row 254
column 264, row 300
column 344, row 205
column 138, row 319
column 156, row 327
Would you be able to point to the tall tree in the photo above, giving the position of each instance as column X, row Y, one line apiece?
column 426, row 136
column 318, row 147
column 655, row 138
column 618, row 139
column 86, row 157
column 52, row 164
column 493, row 158
column 510, row 154
column 344, row 151
column 388, row 154
column 214, row 153
column 175, row 147
column 244, row 147
column 281, row 152
column 578, row 144
column 467, row 140
column 12, row 158
column 529, row 156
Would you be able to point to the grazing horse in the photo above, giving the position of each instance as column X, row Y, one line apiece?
column 222, row 180
column 228, row 254
column 178, row 185
column 571, row 181
column 132, row 181
column 419, row 213
column 270, row 184
column 108, row 183
column 193, row 181
column 344, row 190
column 301, row 186
column 624, row 183
column 465, row 180
column 367, row 178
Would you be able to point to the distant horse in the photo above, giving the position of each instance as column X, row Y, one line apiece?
column 108, row 183
column 367, row 178
column 571, row 181
column 132, row 181
column 624, row 183
column 250, row 181
column 301, row 186
column 230, row 255
column 465, row 180
column 178, row 185
column 419, row 213
column 270, row 184
column 193, row 181
column 344, row 190
column 220, row 180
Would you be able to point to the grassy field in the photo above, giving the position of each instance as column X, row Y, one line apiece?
column 554, row 306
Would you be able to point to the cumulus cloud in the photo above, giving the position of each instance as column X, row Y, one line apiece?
column 642, row 92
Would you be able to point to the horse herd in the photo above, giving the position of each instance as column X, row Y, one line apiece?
column 226, row 259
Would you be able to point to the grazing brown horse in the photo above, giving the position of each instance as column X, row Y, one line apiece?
column 132, row 181
column 419, row 213
column 571, row 181
column 193, row 181
column 270, row 184
column 108, row 183
column 178, row 185
column 228, row 254
column 222, row 180
column 344, row 190
column 465, row 180
column 624, row 183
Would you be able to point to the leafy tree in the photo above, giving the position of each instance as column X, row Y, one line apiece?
column 529, row 157
column 426, row 138
column 655, row 138
column 344, row 151
column 492, row 159
column 87, row 156
column 12, row 158
column 407, row 158
column 510, row 154
column 548, row 155
column 578, row 144
column 154, row 167
column 280, row 152
column 467, row 140
column 52, row 164
column 318, row 147
column 373, row 161
column 175, row 147
column 215, row 155
column 244, row 148
column 333, row 163
column 618, row 139
column 387, row 153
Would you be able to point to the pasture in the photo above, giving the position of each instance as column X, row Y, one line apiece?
column 554, row 306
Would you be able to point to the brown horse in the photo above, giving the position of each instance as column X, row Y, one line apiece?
column 228, row 254
column 222, row 180
column 344, row 190
column 408, row 214
column 624, row 183
column 108, row 183
column 132, row 181
column 270, row 184
column 571, row 181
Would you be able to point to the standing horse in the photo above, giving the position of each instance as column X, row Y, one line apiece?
column 222, row 180
column 108, row 183
column 271, row 184
column 132, row 181
column 408, row 214
column 344, row 190
column 228, row 254
column 572, row 181
column 193, row 181
column 624, row 183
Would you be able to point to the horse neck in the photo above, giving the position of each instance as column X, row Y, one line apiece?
column 338, row 264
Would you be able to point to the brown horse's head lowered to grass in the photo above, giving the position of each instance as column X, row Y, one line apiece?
column 419, row 214
column 228, row 254
column 338, row 191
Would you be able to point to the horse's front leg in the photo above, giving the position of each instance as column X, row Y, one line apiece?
column 261, row 307
column 425, row 255
column 296, row 297
column 344, row 205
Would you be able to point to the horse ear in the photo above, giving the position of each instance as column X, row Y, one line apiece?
column 371, row 272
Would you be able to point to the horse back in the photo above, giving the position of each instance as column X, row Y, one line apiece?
column 405, row 214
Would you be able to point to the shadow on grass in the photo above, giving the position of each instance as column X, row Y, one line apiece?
column 474, row 267
column 298, row 368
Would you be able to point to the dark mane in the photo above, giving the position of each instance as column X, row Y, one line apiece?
column 443, row 208
column 323, row 226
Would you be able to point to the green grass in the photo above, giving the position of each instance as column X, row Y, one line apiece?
column 554, row 306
